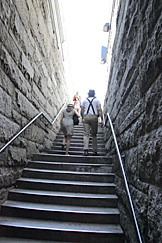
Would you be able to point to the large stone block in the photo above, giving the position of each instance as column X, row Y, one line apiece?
column 149, row 158
column 17, row 156
column 8, row 128
column 6, row 103
column 25, row 106
column 154, row 214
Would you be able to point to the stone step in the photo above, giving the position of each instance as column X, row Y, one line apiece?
column 59, row 231
column 80, row 127
column 81, row 133
column 71, row 166
column 64, row 213
column 80, row 137
column 69, row 186
column 76, row 148
column 64, row 198
column 68, row 175
column 72, row 159
column 78, row 152
column 78, row 144
column 21, row 240
column 79, row 141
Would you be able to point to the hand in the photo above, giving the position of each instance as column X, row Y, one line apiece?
column 101, row 124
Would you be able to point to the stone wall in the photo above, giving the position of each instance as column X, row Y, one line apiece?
column 134, row 101
column 32, row 80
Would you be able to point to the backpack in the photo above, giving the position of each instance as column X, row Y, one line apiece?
column 75, row 119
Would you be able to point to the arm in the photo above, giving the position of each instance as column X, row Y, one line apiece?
column 99, row 109
column 76, row 113
column 82, row 111
column 62, row 116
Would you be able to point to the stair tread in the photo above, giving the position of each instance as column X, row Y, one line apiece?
column 66, row 182
column 59, row 140
column 64, row 194
column 69, row 172
column 21, row 240
column 81, row 133
column 62, row 226
column 58, row 208
column 57, row 157
column 78, row 144
column 75, row 149
column 70, row 163
column 76, row 152
column 78, row 156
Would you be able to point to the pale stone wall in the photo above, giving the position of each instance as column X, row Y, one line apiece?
column 32, row 80
column 134, row 101
column 111, row 34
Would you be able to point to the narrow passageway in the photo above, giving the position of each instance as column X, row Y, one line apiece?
column 44, row 194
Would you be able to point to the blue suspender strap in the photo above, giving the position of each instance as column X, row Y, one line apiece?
column 90, row 105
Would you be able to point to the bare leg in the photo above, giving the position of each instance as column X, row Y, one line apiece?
column 67, row 144
column 78, row 110
column 64, row 141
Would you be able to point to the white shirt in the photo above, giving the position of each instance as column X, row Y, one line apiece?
column 86, row 104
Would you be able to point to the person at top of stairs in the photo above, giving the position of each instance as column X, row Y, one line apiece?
column 90, row 111
column 77, row 102
column 67, row 125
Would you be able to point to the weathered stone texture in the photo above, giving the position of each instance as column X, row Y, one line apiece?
column 31, row 81
column 134, row 101
column 155, row 213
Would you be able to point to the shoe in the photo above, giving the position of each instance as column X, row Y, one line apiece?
column 63, row 146
column 85, row 153
column 95, row 154
column 66, row 154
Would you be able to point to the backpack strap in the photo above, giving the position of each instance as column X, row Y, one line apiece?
column 90, row 105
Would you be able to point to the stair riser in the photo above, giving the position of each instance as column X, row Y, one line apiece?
column 79, row 128
column 60, row 235
column 71, row 167
column 77, row 139
column 60, row 200
column 81, row 134
column 71, row 159
column 69, row 177
column 66, row 187
column 61, row 216
column 77, row 145
column 71, row 152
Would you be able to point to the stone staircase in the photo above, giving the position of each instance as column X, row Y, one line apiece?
column 64, row 198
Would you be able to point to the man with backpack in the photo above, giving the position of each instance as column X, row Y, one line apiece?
column 90, row 111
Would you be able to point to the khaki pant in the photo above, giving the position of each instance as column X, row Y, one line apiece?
column 90, row 121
